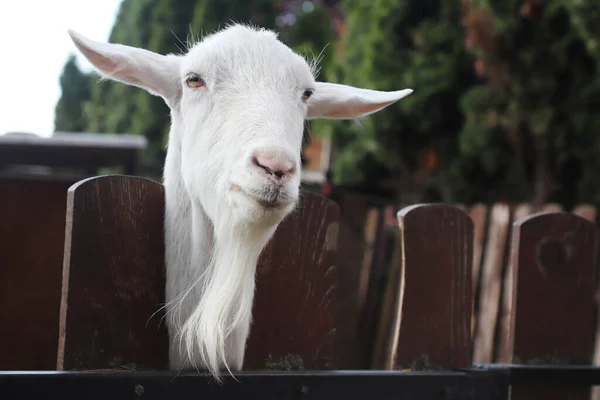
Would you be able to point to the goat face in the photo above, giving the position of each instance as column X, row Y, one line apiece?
column 244, row 102
column 239, row 99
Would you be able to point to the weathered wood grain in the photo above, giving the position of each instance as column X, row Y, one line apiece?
column 434, row 317
column 491, row 285
column 385, row 340
column 554, row 258
column 371, row 313
column 479, row 215
column 371, row 225
column 113, row 276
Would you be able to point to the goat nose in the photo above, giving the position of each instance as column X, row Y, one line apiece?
column 276, row 165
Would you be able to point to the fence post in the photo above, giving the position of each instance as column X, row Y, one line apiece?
column 504, row 339
column 113, row 276
column 433, row 302
column 490, row 292
column 296, row 291
column 355, row 224
column 553, row 257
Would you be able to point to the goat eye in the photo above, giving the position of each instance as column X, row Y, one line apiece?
column 306, row 94
column 194, row 81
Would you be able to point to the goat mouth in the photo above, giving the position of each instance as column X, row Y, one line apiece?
column 268, row 200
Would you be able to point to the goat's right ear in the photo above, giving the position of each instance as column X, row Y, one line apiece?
column 156, row 73
column 336, row 101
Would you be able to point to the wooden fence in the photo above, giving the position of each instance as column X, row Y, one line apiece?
column 438, row 287
column 370, row 232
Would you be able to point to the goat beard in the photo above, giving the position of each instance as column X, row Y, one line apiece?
column 213, row 336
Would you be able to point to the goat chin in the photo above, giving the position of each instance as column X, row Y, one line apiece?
column 255, row 214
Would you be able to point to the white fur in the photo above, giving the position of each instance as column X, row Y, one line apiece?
column 215, row 229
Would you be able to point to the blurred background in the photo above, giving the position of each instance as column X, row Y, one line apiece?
column 504, row 108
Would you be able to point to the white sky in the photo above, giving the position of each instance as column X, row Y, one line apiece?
column 34, row 46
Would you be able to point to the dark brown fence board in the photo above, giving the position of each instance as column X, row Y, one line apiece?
column 589, row 212
column 353, row 216
column 554, row 256
column 504, row 341
column 372, row 224
column 383, row 349
column 435, row 308
column 371, row 312
column 294, row 307
column 479, row 215
column 491, row 285
column 113, row 276
column 32, row 225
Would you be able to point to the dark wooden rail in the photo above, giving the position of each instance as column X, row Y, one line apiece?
column 351, row 385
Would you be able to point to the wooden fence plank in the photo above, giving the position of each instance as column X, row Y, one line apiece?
column 353, row 222
column 589, row 212
column 491, row 282
column 372, row 223
column 479, row 216
column 554, row 257
column 434, row 316
column 371, row 312
column 383, row 348
column 114, row 281
column 113, row 277
column 505, row 329
column 294, row 305
column 32, row 225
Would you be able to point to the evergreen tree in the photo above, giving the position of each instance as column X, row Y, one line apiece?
column 211, row 15
column 407, row 149
column 532, row 122
column 312, row 35
column 113, row 106
column 76, row 90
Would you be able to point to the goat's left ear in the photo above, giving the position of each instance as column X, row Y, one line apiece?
column 335, row 101
column 156, row 73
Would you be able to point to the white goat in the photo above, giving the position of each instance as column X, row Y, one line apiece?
column 238, row 101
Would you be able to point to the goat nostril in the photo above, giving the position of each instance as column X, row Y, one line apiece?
column 256, row 163
column 261, row 166
column 275, row 167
